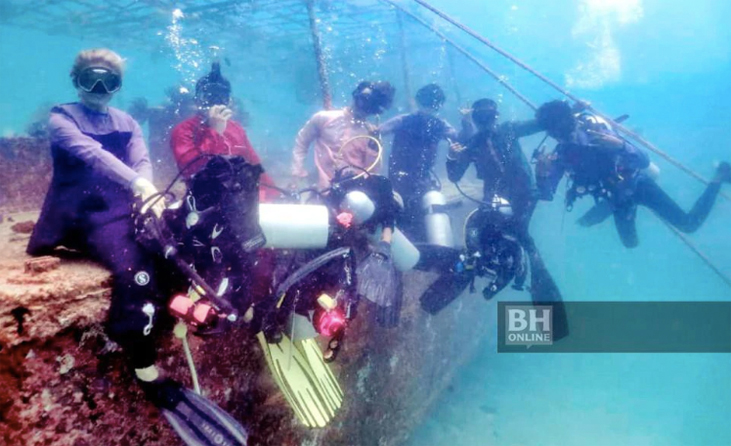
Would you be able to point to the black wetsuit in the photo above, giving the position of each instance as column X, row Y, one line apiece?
column 88, row 208
column 505, row 171
column 614, row 177
column 503, row 168
column 413, row 155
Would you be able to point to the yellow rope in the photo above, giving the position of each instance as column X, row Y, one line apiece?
column 378, row 158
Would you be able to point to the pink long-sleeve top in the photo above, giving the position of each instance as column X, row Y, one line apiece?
column 332, row 132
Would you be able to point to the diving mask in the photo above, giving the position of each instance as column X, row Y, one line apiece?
column 98, row 80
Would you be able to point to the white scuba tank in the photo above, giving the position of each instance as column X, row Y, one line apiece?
column 438, row 224
column 652, row 171
column 359, row 205
column 404, row 254
column 294, row 226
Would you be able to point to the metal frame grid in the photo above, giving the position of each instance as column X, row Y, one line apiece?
column 138, row 21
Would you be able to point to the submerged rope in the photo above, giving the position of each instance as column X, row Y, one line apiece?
column 699, row 253
column 467, row 54
column 566, row 93
column 648, row 145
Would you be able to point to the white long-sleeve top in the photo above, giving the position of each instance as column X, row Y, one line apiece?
column 335, row 135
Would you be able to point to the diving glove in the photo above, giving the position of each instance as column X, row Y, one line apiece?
column 376, row 276
column 149, row 195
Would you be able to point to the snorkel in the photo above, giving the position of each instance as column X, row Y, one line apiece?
column 212, row 89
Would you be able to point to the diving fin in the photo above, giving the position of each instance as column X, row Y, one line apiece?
column 376, row 276
column 597, row 214
column 444, row 290
column 389, row 317
column 436, row 258
column 304, row 378
column 324, row 376
column 197, row 420
column 544, row 291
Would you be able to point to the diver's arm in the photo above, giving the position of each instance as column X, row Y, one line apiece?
column 65, row 134
column 457, row 164
column 629, row 156
column 468, row 129
column 450, row 133
column 305, row 137
column 525, row 128
column 138, row 155
column 185, row 147
column 633, row 157
column 391, row 125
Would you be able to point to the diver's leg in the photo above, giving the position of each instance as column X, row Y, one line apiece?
column 624, row 221
column 544, row 291
column 543, row 288
column 411, row 220
column 651, row 195
column 136, row 303
column 597, row 214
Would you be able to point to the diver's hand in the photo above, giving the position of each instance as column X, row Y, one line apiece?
column 145, row 189
column 218, row 117
column 580, row 106
column 455, row 149
column 466, row 114
column 382, row 249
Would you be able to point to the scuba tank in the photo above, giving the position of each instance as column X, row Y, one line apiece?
column 404, row 253
column 652, row 171
column 438, row 223
column 294, row 226
column 358, row 205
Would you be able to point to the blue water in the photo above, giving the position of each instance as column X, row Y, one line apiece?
column 674, row 82
column 666, row 63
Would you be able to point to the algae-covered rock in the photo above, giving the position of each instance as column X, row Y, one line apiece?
column 63, row 383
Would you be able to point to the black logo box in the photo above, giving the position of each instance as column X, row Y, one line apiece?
column 630, row 327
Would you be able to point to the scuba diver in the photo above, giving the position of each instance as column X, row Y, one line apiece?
column 213, row 132
column 343, row 137
column 499, row 160
column 100, row 164
column 413, row 154
column 603, row 165
column 492, row 251
column 502, row 166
